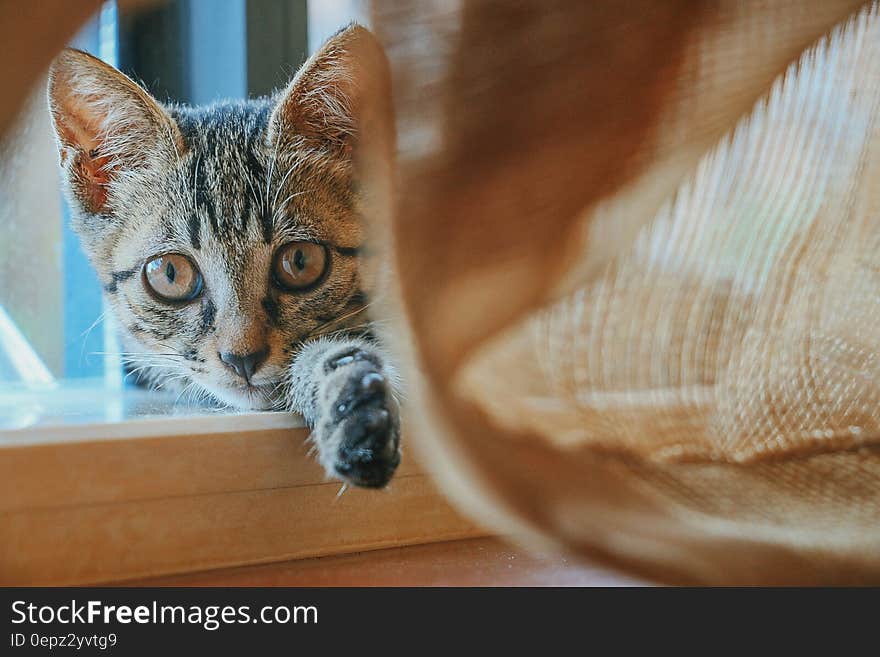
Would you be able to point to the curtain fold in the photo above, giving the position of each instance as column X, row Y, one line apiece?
column 634, row 276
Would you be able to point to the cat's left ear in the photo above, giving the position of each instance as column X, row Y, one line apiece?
column 324, row 101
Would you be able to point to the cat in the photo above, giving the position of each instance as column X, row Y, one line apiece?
column 229, row 239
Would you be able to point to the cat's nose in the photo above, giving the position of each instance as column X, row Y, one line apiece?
column 247, row 364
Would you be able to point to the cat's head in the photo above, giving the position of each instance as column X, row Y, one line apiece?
column 224, row 235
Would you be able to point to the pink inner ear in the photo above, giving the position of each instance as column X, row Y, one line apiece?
column 94, row 176
column 77, row 123
column 92, row 170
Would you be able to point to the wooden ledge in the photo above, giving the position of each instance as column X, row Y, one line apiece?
column 93, row 503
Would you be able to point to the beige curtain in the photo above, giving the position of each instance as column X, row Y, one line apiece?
column 636, row 276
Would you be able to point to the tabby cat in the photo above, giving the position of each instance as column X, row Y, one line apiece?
column 228, row 240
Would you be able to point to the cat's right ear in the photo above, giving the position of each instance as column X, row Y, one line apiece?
column 330, row 95
column 105, row 125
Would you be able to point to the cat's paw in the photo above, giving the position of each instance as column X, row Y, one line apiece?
column 360, row 427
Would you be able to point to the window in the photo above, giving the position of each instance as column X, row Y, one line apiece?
column 54, row 328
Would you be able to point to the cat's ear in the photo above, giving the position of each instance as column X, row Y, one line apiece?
column 323, row 102
column 105, row 125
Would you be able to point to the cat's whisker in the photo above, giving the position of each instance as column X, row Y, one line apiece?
column 100, row 318
column 148, row 361
column 341, row 491
column 272, row 164
column 281, row 185
column 341, row 318
column 154, row 369
column 339, row 331
column 195, row 185
column 195, row 394
column 183, row 391
column 177, row 376
column 145, row 354
column 136, row 370
column 84, row 336
column 280, row 209
column 254, row 195
column 275, row 391
column 361, row 329
column 275, row 398
column 165, row 368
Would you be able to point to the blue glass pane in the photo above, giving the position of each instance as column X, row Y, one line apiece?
column 84, row 343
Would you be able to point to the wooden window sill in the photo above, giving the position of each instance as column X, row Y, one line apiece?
column 101, row 501
column 469, row 562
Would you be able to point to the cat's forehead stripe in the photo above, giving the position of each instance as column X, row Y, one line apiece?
column 226, row 170
column 194, row 225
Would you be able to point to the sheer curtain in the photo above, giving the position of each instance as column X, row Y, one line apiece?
column 636, row 253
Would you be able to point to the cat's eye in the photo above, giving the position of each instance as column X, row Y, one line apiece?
column 299, row 265
column 173, row 277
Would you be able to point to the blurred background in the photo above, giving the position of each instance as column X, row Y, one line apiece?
column 52, row 322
